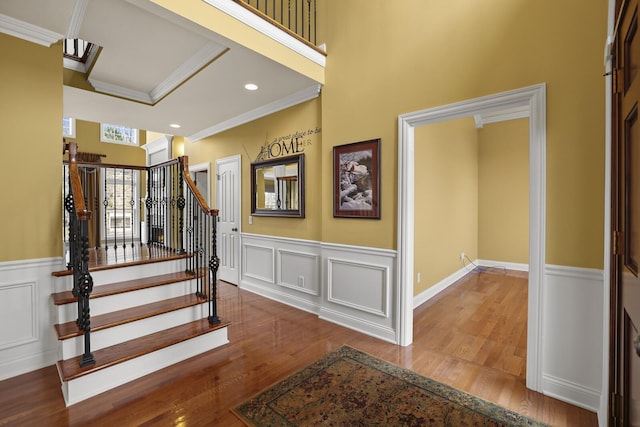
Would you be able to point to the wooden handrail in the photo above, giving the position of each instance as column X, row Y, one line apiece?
column 76, row 184
column 108, row 165
column 192, row 185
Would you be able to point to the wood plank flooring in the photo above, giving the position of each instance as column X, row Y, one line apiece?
column 471, row 336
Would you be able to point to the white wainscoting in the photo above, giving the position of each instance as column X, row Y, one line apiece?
column 349, row 285
column 573, row 335
column 27, row 339
column 285, row 270
column 361, row 292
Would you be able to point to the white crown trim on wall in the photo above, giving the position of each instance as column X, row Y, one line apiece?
column 296, row 98
column 23, row 30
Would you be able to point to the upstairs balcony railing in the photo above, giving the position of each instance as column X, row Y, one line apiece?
column 116, row 208
column 295, row 16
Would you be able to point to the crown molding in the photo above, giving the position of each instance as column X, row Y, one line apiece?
column 241, row 14
column 25, row 31
column 296, row 98
column 120, row 92
column 77, row 16
column 205, row 56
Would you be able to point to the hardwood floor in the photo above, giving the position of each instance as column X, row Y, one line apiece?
column 471, row 336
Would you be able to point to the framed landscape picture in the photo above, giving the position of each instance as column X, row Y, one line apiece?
column 356, row 180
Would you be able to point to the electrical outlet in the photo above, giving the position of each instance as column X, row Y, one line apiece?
column 462, row 256
column 418, row 278
column 301, row 281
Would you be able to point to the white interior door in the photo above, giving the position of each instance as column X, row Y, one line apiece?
column 228, row 205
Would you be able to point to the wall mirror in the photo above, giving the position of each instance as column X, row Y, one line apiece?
column 277, row 187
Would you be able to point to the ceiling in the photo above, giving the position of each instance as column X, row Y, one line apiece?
column 156, row 68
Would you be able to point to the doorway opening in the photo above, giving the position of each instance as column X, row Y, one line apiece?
column 530, row 101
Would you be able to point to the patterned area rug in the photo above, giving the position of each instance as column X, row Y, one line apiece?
column 350, row 388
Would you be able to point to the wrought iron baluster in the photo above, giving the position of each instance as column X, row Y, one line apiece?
column 124, row 228
column 105, row 204
column 180, row 206
column 174, row 214
column 148, row 205
column 84, row 289
column 114, row 211
column 214, row 264
column 132, row 203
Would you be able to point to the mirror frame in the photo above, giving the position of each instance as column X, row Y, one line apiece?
column 287, row 213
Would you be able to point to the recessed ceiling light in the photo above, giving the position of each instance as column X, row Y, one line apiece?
column 251, row 86
column 174, row 125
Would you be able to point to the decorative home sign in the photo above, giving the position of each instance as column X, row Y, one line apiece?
column 356, row 180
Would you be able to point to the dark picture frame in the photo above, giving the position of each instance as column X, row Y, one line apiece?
column 356, row 180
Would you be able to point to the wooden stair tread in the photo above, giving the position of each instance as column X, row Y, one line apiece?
column 97, row 266
column 70, row 369
column 120, row 317
column 66, row 297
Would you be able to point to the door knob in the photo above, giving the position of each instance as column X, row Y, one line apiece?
column 234, row 229
column 636, row 345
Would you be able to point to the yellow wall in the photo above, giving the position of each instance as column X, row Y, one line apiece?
column 503, row 191
column 446, row 199
column 88, row 139
column 31, row 173
column 247, row 140
column 393, row 59
column 383, row 61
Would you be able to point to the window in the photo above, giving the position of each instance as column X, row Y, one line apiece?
column 120, row 207
column 118, row 134
column 68, row 127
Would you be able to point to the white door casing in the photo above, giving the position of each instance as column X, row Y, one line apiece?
column 534, row 99
column 204, row 186
column 228, row 197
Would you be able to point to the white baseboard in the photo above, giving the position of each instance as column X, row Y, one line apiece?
column 429, row 293
column 23, row 364
column 434, row 290
column 359, row 324
column 282, row 297
column 502, row 264
column 572, row 393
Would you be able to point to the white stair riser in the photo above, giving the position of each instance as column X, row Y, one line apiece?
column 103, row 277
column 105, row 379
column 107, row 337
column 107, row 304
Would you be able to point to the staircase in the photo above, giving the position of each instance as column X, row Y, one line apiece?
column 145, row 316
column 124, row 309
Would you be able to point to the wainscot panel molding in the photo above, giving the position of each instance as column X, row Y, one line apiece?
column 27, row 340
column 573, row 335
column 360, row 290
column 299, row 271
column 258, row 262
column 282, row 269
column 353, row 286
column 375, row 300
